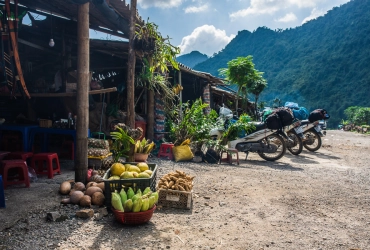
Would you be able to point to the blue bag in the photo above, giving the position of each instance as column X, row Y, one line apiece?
column 291, row 105
column 301, row 113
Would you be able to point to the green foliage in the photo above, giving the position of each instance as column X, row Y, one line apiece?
column 358, row 115
column 163, row 53
column 322, row 64
column 194, row 124
column 241, row 71
column 235, row 129
column 121, row 143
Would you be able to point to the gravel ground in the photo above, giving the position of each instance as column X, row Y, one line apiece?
column 317, row 200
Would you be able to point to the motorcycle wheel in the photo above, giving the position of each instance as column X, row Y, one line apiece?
column 312, row 134
column 277, row 141
column 297, row 148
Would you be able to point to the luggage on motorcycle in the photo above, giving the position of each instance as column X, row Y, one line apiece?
column 318, row 114
column 266, row 114
column 291, row 105
column 286, row 116
column 273, row 121
column 301, row 113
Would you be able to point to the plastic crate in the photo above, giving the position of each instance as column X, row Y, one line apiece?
column 175, row 199
column 142, row 183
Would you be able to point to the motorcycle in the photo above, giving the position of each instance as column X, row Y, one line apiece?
column 268, row 144
column 294, row 132
column 312, row 134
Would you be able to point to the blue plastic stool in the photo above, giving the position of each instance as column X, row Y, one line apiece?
column 2, row 196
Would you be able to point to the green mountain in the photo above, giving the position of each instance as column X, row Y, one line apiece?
column 325, row 63
column 192, row 59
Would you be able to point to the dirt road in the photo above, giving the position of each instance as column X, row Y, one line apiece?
column 317, row 200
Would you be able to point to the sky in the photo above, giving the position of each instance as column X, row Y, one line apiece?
column 208, row 26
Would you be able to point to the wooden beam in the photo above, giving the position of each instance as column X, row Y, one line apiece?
column 69, row 94
column 83, row 83
column 37, row 47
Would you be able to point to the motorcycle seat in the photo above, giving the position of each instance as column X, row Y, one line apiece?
column 305, row 122
column 259, row 125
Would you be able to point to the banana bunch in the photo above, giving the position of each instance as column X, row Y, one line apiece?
column 144, row 146
column 176, row 89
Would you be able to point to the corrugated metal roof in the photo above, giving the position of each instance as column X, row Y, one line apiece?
column 212, row 79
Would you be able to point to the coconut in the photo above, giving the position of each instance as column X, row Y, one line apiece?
column 79, row 186
column 76, row 196
column 85, row 201
column 98, row 199
column 91, row 190
column 65, row 187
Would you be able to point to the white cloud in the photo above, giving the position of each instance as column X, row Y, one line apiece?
column 193, row 9
column 290, row 17
column 314, row 14
column 259, row 7
column 163, row 4
column 206, row 39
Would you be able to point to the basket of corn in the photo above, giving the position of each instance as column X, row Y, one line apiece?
column 133, row 208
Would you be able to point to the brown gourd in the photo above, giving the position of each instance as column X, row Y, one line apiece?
column 76, row 196
column 97, row 199
column 91, row 190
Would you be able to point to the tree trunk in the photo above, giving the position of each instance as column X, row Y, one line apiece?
column 131, row 69
column 131, row 77
column 83, row 80
column 150, row 119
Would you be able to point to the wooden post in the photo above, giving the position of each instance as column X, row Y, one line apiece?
column 131, row 69
column 150, row 117
column 180, row 82
column 83, row 79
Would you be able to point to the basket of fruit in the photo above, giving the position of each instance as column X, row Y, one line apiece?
column 131, row 218
column 133, row 208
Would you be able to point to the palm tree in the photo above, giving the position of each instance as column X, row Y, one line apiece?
column 241, row 71
column 256, row 88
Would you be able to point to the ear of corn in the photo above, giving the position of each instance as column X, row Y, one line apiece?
column 151, row 201
column 130, row 193
column 116, row 201
column 127, row 207
column 123, row 195
column 144, row 205
column 136, row 207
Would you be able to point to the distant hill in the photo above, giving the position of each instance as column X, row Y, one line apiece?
column 192, row 59
column 324, row 63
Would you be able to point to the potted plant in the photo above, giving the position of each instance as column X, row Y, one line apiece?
column 143, row 149
column 121, row 144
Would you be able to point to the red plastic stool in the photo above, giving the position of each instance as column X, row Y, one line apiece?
column 19, row 155
column 21, row 166
column 165, row 150
column 40, row 158
column 229, row 158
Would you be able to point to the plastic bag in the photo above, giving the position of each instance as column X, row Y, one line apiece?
column 32, row 174
column 182, row 153
column 291, row 105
